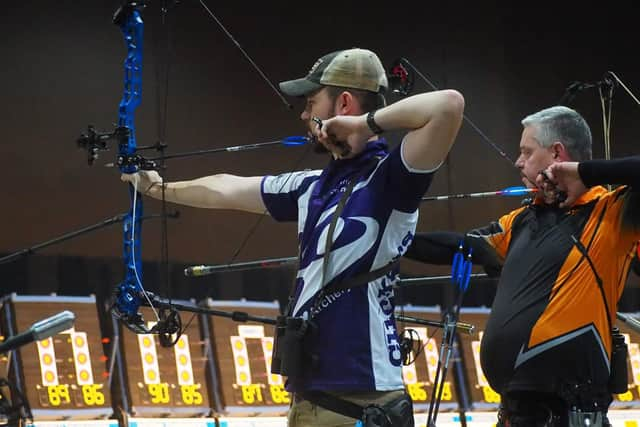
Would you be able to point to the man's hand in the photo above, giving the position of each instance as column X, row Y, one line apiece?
column 562, row 176
column 339, row 131
column 143, row 181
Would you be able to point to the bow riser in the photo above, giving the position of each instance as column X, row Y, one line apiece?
column 128, row 293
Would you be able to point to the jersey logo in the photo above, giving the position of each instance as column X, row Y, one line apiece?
column 352, row 239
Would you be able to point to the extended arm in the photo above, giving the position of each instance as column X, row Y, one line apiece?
column 220, row 191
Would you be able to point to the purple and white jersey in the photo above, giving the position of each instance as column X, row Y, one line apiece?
column 356, row 342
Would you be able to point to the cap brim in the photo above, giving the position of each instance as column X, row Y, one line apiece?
column 298, row 87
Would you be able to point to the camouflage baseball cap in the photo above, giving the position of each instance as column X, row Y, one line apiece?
column 352, row 68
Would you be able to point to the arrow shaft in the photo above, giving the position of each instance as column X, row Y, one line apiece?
column 519, row 192
column 218, row 150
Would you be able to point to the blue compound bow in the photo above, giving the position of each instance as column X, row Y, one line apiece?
column 130, row 294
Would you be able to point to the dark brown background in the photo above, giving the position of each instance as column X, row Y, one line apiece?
column 62, row 70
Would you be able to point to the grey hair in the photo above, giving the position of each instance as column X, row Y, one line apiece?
column 564, row 125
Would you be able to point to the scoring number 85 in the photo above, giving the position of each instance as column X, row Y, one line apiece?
column 191, row 395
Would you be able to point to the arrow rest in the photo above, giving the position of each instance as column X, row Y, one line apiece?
column 136, row 162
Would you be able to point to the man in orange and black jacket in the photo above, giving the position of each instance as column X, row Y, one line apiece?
column 563, row 261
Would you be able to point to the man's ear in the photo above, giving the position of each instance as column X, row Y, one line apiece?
column 559, row 152
column 345, row 104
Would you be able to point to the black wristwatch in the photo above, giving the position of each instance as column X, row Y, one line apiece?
column 372, row 123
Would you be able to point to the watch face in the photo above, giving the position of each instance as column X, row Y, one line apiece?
column 371, row 122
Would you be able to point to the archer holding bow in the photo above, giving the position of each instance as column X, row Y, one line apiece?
column 355, row 218
column 548, row 345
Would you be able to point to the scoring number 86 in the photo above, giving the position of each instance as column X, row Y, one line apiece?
column 92, row 395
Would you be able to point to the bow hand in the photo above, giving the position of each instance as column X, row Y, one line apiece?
column 143, row 181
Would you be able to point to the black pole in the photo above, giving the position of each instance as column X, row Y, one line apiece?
column 109, row 221
column 238, row 316
column 466, row 328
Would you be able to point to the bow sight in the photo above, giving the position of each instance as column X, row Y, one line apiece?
column 94, row 141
